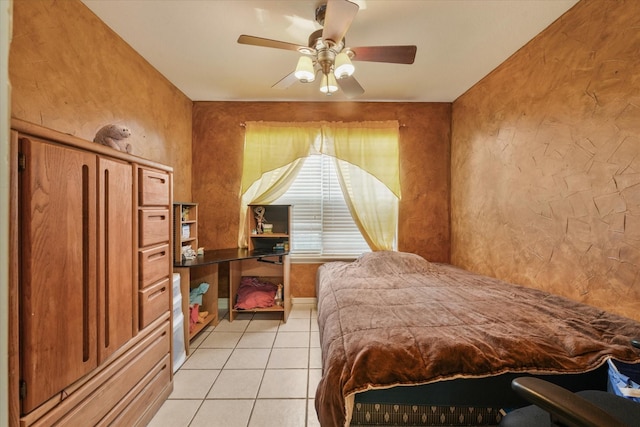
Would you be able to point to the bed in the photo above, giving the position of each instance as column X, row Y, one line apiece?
column 402, row 336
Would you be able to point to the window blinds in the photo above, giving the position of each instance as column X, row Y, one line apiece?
column 321, row 223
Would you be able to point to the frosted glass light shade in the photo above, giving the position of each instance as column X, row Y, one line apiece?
column 344, row 67
column 329, row 84
column 304, row 70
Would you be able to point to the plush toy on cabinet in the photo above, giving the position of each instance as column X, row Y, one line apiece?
column 114, row 136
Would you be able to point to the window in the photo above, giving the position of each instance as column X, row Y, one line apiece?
column 367, row 170
column 322, row 226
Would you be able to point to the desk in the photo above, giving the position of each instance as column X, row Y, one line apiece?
column 217, row 256
column 242, row 261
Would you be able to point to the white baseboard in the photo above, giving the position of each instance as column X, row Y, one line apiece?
column 223, row 303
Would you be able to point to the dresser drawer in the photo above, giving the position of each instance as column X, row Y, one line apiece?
column 154, row 264
column 91, row 403
column 154, row 187
column 151, row 391
column 154, row 226
column 154, row 301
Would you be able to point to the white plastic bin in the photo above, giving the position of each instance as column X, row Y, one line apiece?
column 179, row 352
column 176, row 284
column 177, row 307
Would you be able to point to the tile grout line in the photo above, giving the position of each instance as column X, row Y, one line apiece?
column 245, row 333
column 205, row 396
column 264, row 371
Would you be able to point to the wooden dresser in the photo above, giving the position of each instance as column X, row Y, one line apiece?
column 90, row 282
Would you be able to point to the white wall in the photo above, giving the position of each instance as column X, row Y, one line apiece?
column 5, row 115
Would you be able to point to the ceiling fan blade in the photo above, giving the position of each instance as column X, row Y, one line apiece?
column 392, row 54
column 350, row 86
column 338, row 18
column 286, row 81
column 259, row 41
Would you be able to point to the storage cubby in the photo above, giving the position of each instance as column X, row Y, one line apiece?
column 263, row 238
column 185, row 230
column 194, row 271
column 273, row 266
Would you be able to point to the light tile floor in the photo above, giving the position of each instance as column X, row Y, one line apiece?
column 253, row 372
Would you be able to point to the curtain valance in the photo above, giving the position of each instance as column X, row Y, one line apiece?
column 369, row 145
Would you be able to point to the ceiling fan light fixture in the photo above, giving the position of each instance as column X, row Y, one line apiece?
column 304, row 70
column 327, row 51
column 343, row 66
column 329, row 84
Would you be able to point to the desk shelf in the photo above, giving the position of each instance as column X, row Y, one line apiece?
column 200, row 326
column 185, row 228
column 274, row 268
column 185, row 232
column 189, row 277
column 269, row 236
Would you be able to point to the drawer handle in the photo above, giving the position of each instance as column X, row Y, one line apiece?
column 156, row 255
column 157, row 293
column 157, row 178
column 157, row 217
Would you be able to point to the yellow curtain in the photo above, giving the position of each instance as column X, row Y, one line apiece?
column 273, row 155
column 372, row 146
column 372, row 204
column 265, row 190
column 270, row 145
column 368, row 161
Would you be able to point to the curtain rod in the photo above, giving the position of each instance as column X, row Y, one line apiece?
column 243, row 125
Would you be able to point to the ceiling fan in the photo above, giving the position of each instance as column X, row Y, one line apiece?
column 327, row 52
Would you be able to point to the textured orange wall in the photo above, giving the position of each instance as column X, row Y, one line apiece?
column 71, row 73
column 424, row 173
column 546, row 162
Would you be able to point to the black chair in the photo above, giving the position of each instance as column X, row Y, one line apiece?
column 557, row 406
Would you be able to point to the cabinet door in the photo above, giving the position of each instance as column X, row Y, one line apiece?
column 58, row 268
column 116, row 292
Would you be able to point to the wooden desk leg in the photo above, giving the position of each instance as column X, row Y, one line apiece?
column 235, row 276
column 210, row 298
column 287, row 288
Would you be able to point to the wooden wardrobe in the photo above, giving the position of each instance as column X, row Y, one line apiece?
column 90, row 289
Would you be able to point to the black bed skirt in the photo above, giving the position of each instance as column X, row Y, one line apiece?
column 381, row 414
column 461, row 402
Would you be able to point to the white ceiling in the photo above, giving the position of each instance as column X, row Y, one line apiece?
column 193, row 43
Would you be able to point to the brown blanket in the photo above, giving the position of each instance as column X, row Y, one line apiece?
column 392, row 318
